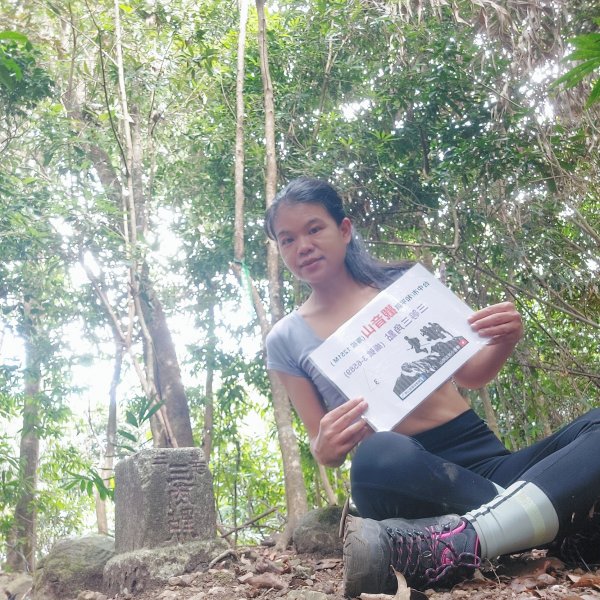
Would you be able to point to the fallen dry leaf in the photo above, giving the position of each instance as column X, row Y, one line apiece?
column 586, row 580
column 266, row 580
column 243, row 578
column 299, row 582
column 476, row 582
column 327, row 563
column 532, row 568
column 264, row 565
column 522, row 585
column 545, row 580
column 403, row 592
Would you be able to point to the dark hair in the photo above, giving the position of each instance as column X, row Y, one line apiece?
column 363, row 267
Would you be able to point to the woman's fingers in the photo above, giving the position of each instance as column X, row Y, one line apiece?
column 344, row 415
column 342, row 428
column 500, row 322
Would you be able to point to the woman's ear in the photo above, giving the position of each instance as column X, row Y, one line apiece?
column 346, row 229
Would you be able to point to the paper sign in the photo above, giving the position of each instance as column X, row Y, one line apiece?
column 399, row 348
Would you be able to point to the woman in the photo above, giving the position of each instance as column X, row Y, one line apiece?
column 441, row 459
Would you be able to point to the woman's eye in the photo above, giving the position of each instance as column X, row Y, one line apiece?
column 314, row 230
column 285, row 241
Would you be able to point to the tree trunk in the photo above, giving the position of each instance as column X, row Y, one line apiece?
column 106, row 472
column 161, row 380
column 167, row 374
column 488, row 409
column 238, row 242
column 22, row 549
column 209, row 409
column 295, row 488
column 331, row 498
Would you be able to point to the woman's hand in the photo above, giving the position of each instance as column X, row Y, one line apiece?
column 500, row 322
column 332, row 434
column 339, row 431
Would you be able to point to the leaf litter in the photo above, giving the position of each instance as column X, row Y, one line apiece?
column 260, row 573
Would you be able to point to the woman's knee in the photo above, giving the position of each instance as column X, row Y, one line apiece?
column 387, row 454
column 592, row 416
column 588, row 421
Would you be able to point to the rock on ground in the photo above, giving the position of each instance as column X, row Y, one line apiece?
column 15, row 585
column 318, row 531
column 72, row 565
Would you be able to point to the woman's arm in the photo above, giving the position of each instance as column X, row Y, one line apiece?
column 332, row 434
column 503, row 325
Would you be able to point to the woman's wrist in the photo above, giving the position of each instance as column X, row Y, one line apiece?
column 324, row 459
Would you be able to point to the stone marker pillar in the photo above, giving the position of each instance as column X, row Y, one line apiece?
column 163, row 497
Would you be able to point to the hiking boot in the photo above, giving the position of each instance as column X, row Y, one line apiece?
column 425, row 551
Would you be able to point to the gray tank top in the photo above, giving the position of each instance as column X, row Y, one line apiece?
column 289, row 344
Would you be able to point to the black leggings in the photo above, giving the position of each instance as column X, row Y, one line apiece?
column 452, row 469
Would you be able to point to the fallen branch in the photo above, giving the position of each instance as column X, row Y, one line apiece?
column 250, row 521
column 222, row 556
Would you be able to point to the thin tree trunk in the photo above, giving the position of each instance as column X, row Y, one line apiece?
column 509, row 418
column 106, row 472
column 238, row 241
column 331, row 498
column 209, row 409
column 488, row 409
column 295, row 487
column 294, row 483
column 22, row 547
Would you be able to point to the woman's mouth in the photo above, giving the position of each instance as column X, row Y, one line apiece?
column 309, row 263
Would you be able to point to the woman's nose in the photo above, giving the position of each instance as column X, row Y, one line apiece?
column 304, row 244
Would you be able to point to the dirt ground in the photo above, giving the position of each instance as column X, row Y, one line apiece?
column 260, row 573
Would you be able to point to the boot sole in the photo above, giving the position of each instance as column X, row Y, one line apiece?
column 366, row 563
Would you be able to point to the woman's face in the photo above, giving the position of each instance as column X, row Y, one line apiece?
column 312, row 245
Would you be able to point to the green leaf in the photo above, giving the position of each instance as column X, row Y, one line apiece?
column 131, row 419
column 152, row 410
column 55, row 109
column 5, row 78
column 128, row 448
column 594, row 94
column 586, row 40
column 587, row 49
column 127, row 435
column 14, row 35
column 575, row 75
column 11, row 67
column 585, row 54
